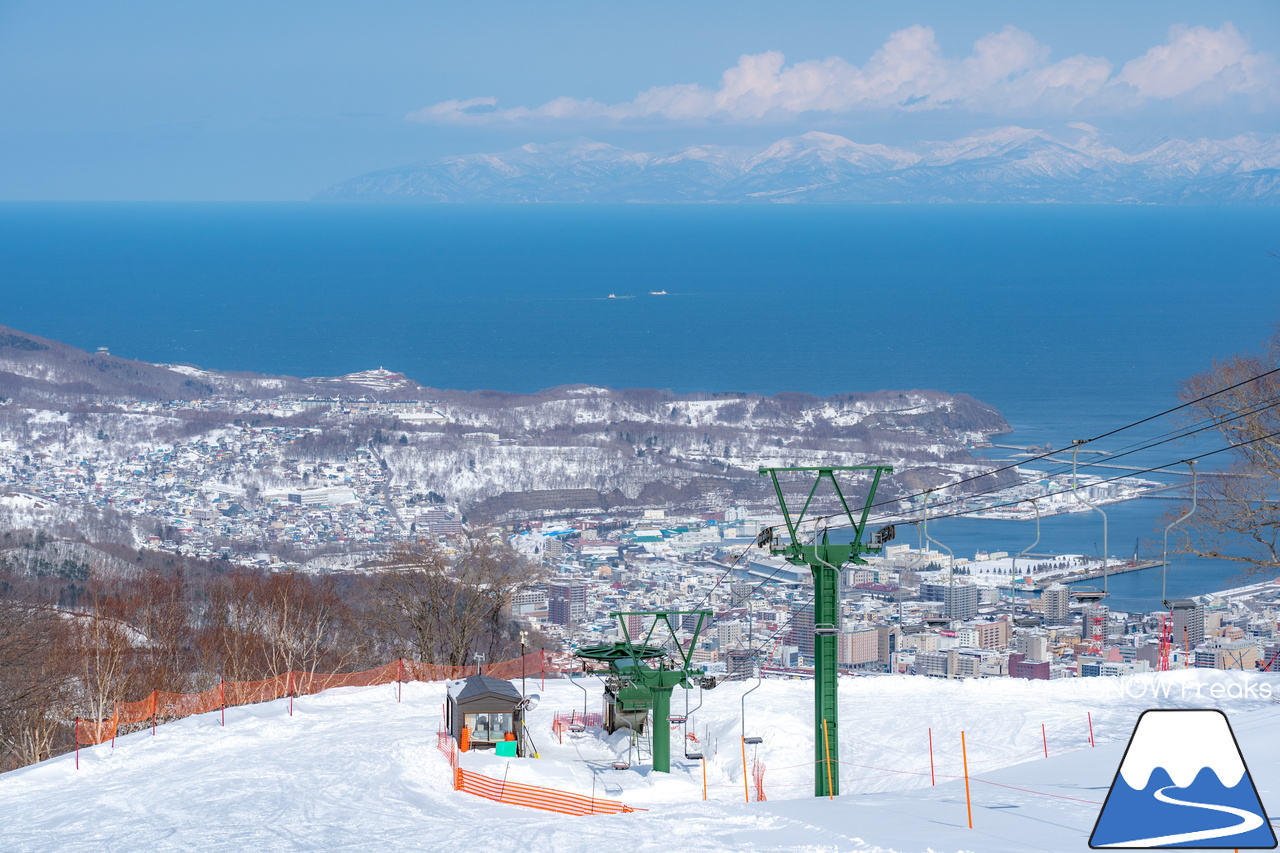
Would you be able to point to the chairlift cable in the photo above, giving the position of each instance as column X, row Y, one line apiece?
column 784, row 626
column 1171, row 436
column 1127, row 450
column 1107, row 434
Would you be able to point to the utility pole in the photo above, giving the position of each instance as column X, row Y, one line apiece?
column 824, row 560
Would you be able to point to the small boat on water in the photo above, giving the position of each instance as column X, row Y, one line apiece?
column 613, row 296
column 657, row 293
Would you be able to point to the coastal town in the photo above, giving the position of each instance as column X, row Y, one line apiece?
column 907, row 610
column 260, row 490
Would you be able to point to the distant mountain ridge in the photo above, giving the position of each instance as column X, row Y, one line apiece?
column 1010, row 165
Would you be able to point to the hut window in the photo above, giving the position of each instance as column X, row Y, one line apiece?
column 490, row 727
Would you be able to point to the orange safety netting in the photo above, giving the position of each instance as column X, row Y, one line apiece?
column 757, row 776
column 574, row 721
column 517, row 794
column 162, row 706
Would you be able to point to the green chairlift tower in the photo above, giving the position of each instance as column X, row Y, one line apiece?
column 825, row 560
column 647, row 673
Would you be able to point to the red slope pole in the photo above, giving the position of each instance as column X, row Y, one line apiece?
column 968, row 802
column 1045, row 737
column 932, row 778
column 1092, row 742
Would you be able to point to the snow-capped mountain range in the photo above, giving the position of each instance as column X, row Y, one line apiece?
column 1010, row 164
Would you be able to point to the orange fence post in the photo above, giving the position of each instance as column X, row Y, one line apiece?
column 222, row 698
column 746, row 792
column 826, row 740
column 964, row 756
column 704, row 779
column 933, row 779
column 399, row 677
column 77, row 743
column 115, row 723
column 155, row 695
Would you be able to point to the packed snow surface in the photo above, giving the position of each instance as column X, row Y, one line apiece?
column 355, row 769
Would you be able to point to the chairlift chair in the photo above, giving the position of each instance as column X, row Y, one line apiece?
column 752, row 741
column 625, row 764
column 1087, row 595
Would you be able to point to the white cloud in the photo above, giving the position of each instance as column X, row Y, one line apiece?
column 1198, row 57
column 1007, row 73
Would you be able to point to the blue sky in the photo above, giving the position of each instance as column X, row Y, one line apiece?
column 263, row 101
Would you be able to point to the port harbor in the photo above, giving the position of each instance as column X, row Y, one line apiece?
column 1048, row 494
column 1038, row 571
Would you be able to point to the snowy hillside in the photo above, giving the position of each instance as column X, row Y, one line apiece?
column 353, row 769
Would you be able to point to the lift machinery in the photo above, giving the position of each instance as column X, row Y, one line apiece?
column 643, row 674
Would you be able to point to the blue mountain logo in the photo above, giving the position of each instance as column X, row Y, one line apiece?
column 1183, row 783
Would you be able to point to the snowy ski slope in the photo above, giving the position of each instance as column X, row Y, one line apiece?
column 352, row 769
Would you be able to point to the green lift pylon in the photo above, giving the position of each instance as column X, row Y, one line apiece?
column 824, row 560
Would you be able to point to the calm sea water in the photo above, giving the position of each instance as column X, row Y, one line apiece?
column 1071, row 320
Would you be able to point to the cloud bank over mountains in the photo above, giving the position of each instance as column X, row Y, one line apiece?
column 1007, row 73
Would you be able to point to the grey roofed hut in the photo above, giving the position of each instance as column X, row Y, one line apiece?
column 489, row 707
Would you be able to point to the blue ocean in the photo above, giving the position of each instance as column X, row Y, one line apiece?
column 1071, row 320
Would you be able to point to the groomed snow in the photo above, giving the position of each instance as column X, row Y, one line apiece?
column 352, row 769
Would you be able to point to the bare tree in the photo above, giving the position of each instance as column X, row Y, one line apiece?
column 443, row 609
column 257, row 626
column 228, row 643
column 1238, row 515
column 105, row 657
column 35, row 683
column 304, row 623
